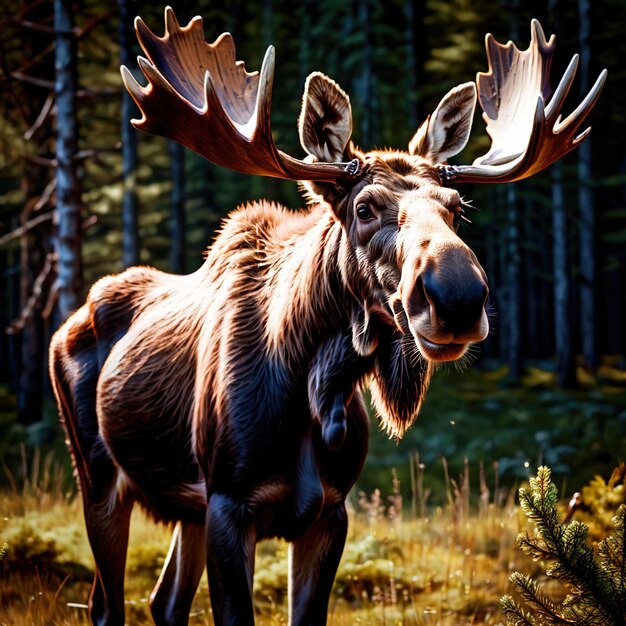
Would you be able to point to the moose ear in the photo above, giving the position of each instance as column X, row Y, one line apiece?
column 325, row 123
column 446, row 131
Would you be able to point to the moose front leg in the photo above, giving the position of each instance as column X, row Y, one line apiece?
column 231, row 542
column 313, row 562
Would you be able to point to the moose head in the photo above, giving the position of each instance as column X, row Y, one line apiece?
column 403, row 259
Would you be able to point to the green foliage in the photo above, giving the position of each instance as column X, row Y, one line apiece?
column 476, row 414
column 596, row 584
column 30, row 550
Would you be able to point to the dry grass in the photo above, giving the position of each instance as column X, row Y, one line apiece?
column 448, row 566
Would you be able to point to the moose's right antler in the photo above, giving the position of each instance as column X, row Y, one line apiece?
column 201, row 97
column 523, row 121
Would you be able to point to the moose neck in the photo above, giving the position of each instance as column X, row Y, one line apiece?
column 305, row 292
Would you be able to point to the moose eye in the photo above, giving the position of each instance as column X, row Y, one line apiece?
column 363, row 212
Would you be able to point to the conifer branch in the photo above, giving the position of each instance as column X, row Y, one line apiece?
column 529, row 591
column 515, row 614
column 596, row 585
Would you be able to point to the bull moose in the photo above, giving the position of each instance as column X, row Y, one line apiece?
column 228, row 401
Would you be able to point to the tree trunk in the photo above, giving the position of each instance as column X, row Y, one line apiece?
column 27, row 346
column 10, row 362
column 615, row 294
column 130, row 209
column 513, row 308
column 177, row 220
column 562, row 319
column 532, row 303
column 545, row 296
column 491, row 348
column 30, row 390
column 588, row 316
column 615, row 311
column 514, row 263
column 502, row 280
column 67, row 216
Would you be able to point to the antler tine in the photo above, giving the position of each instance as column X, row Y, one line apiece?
column 560, row 93
column 522, row 114
column 199, row 95
column 578, row 116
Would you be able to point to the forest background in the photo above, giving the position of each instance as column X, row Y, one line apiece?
column 549, row 383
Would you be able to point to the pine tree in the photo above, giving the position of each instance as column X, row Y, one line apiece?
column 596, row 583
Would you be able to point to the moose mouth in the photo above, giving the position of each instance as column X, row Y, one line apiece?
column 439, row 351
column 430, row 350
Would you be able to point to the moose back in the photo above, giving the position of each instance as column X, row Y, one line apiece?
column 229, row 400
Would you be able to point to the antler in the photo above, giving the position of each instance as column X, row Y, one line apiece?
column 523, row 121
column 200, row 96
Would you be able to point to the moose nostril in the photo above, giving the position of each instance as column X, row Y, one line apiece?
column 458, row 298
column 418, row 300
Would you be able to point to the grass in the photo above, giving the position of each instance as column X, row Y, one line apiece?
column 448, row 566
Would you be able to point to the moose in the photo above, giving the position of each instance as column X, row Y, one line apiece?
column 228, row 401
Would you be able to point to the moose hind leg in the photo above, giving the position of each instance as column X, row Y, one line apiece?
column 107, row 504
column 170, row 601
column 107, row 520
column 313, row 562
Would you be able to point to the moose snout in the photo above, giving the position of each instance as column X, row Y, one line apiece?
column 446, row 307
column 457, row 299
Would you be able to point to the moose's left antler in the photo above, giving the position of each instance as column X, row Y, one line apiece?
column 199, row 95
column 523, row 117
